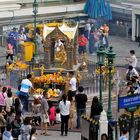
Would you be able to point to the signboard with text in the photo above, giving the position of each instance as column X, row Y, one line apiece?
column 129, row 101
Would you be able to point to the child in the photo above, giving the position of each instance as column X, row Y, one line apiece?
column 36, row 112
column 52, row 113
column 72, row 114
column 10, row 51
column 33, row 134
column 58, row 117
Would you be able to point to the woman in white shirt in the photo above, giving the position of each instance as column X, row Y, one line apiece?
column 64, row 107
column 8, row 101
column 132, row 60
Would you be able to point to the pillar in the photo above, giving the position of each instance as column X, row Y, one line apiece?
column 103, row 124
column 133, row 24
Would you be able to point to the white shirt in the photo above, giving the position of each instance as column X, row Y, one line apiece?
column 22, row 38
column 58, row 117
column 25, row 85
column 133, row 72
column 33, row 138
column 64, row 108
column 8, row 103
column 73, row 84
column 133, row 61
column 87, row 27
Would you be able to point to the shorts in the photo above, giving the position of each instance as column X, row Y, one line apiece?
column 73, row 93
column 44, row 119
column 82, row 49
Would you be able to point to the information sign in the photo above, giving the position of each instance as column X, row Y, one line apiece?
column 129, row 101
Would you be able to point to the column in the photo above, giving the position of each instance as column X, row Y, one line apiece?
column 103, row 124
column 137, row 26
column 133, row 25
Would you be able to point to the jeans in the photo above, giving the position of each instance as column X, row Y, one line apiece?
column 64, row 122
column 24, row 101
column 106, row 40
column 79, row 113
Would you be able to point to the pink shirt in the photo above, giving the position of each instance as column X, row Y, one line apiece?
column 52, row 115
column 9, row 49
column 2, row 98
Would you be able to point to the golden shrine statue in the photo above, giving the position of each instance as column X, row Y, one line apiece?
column 60, row 44
column 60, row 52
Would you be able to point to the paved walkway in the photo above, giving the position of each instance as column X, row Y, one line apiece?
column 121, row 47
column 55, row 135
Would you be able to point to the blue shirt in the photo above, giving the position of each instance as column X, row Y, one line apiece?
column 13, row 36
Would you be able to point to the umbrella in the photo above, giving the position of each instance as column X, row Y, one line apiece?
column 87, row 6
column 91, row 8
column 109, row 11
column 95, row 8
column 102, row 8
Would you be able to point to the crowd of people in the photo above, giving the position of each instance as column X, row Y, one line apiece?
column 16, row 123
column 93, row 38
column 16, row 38
column 12, row 123
column 132, row 74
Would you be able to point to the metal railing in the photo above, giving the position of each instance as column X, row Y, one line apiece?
column 125, row 122
column 3, row 41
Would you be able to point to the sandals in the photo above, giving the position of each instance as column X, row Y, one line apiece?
column 42, row 133
column 47, row 134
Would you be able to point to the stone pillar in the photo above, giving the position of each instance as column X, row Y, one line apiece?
column 133, row 25
column 103, row 124
column 47, row 58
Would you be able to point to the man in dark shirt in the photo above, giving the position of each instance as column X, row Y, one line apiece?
column 80, row 100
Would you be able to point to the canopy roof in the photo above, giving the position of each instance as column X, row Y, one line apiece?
column 63, row 27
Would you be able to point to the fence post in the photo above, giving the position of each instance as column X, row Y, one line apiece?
column 103, row 124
